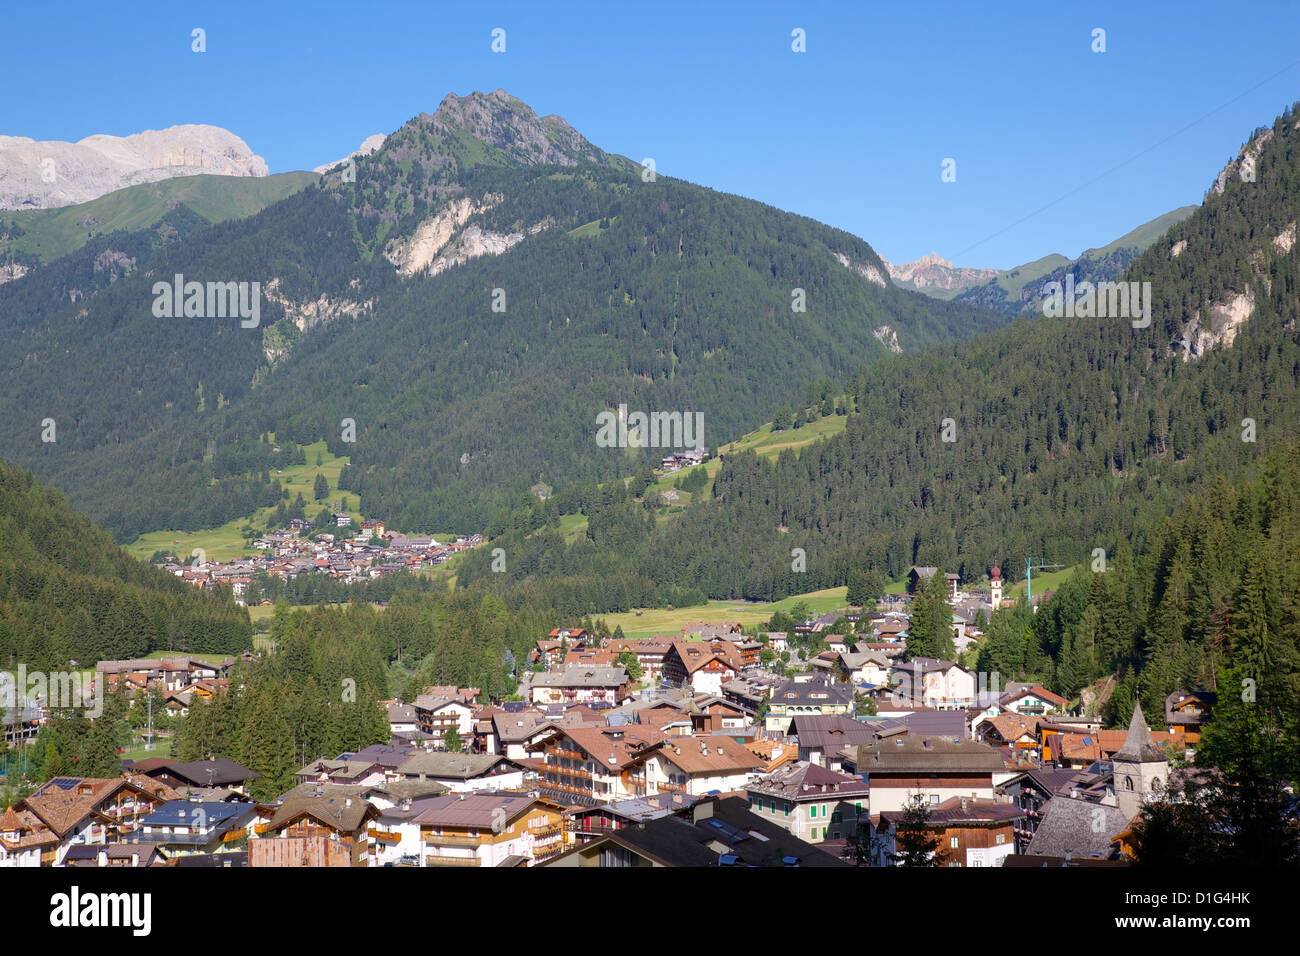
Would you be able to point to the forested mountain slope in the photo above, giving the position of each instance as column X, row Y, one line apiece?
column 472, row 296
column 67, row 592
column 1066, row 435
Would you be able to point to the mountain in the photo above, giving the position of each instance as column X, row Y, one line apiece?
column 464, row 307
column 49, row 174
column 368, row 146
column 937, row 277
column 67, row 592
column 1052, row 437
column 29, row 237
column 1019, row 290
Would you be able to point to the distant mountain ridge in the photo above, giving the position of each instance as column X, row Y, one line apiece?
column 1012, row 291
column 50, row 174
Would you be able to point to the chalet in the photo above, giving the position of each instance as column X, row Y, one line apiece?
column 811, row 802
column 584, row 824
column 326, row 831
column 589, row 765
column 862, row 667
column 1186, row 712
column 918, row 576
column 932, row 683
column 1011, row 730
column 649, row 653
column 1032, row 789
column 702, row 666
column 817, row 696
column 581, row 685
column 966, row 832
column 697, row 765
column 518, row 735
column 180, row 827
column 435, row 715
column 1031, row 700
column 489, row 828
column 84, row 811
column 935, row 768
column 402, row 718
column 215, row 772
column 26, row 840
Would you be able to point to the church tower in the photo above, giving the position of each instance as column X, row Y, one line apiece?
column 995, row 587
column 1141, row 768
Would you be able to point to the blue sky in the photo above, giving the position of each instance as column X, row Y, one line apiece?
column 852, row 132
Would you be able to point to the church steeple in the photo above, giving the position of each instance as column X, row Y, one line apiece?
column 1140, row 767
column 1139, row 746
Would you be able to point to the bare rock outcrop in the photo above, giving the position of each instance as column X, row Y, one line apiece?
column 50, row 174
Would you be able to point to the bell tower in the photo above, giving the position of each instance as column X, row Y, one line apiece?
column 1141, row 768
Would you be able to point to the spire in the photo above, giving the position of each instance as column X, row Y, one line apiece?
column 1139, row 747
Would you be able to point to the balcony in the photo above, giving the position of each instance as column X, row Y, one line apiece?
column 384, row 836
column 433, row 860
column 571, row 754
column 450, row 839
column 541, row 833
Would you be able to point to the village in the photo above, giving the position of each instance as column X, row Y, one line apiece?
column 823, row 746
column 373, row 552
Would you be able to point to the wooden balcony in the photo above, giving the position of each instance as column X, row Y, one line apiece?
column 450, row 839
column 550, row 830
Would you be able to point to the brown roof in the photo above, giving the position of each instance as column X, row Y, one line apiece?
column 964, row 811
column 345, row 814
column 709, row 754
column 696, row 654
column 480, row 810
column 64, row 802
column 616, row 747
column 925, row 754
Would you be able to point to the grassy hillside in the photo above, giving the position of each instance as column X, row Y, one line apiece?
column 47, row 234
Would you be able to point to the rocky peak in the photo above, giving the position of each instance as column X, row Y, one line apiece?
column 510, row 125
column 935, row 272
column 45, row 175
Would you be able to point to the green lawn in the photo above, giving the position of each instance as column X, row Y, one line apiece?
column 662, row 621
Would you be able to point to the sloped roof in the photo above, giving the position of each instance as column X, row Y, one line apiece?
column 1078, row 828
column 807, row 781
column 1138, row 746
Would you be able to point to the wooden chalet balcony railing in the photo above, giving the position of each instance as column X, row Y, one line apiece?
column 542, row 833
column 665, row 787
column 261, row 827
column 450, row 839
column 544, row 851
column 387, row 837
column 566, row 788
column 571, row 754
column 433, row 860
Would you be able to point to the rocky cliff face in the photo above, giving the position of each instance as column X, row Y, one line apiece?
column 46, row 175
column 933, row 272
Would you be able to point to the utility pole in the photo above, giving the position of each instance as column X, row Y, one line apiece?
column 1032, row 565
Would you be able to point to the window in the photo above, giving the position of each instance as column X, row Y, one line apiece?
column 1001, row 838
column 952, row 842
column 787, row 809
column 812, row 811
column 934, row 798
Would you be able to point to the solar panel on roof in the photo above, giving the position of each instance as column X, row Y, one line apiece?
column 64, row 783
